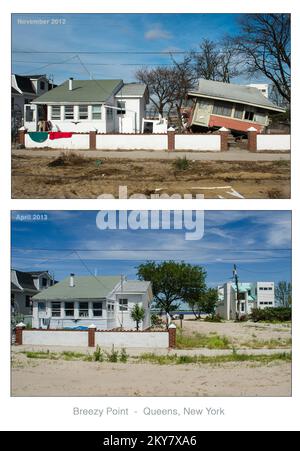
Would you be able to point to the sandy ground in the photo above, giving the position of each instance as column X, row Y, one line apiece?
column 36, row 177
column 240, row 333
column 78, row 378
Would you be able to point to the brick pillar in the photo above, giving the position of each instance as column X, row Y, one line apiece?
column 171, row 139
column 224, row 133
column 172, row 336
column 93, row 140
column 19, row 333
column 252, row 139
column 91, row 335
column 21, row 137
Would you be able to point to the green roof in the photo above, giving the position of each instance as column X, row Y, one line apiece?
column 86, row 287
column 85, row 91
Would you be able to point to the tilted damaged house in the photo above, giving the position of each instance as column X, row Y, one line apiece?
column 252, row 295
column 105, row 106
column 79, row 301
column 229, row 105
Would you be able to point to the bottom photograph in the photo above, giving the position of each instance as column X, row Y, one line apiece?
column 151, row 303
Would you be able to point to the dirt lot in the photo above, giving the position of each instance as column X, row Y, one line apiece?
column 241, row 335
column 81, row 177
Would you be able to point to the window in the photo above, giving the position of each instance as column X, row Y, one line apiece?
column 28, row 302
column 123, row 305
column 69, row 308
column 121, row 105
column 55, row 309
column 109, row 114
column 69, row 112
column 83, row 309
column 242, row 307
column 55, row 113
column 239, row 112
column 44, row 282
column 97, row 308
column 260, row 117
column 42, row 85
column 41, row 307
column 249, row 115
column 28, row 114
column 96, row 111
column 222, row 108
column 83, row 112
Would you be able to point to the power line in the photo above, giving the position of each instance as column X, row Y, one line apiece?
column 96, row 64
column 145, row 249
column 105, row 52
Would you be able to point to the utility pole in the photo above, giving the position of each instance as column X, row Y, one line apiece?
column 236, row 280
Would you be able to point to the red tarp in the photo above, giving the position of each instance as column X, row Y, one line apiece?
column 58, row 135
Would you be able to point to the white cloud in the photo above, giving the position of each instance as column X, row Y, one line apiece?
column 157, row 32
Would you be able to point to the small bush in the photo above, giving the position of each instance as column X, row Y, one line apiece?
column 156, row 320
column 272, row 314
column 98, row 355
column 213, row 319
column 181, row 164
column 113, row 355
column 123, row 356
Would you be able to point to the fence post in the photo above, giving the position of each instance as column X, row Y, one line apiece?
column 19, row 333
column 21, row 137
column 93, row 140
column 171, row 139
column 224, row 132
column 91, row 335
column 172, row 336
column 252, row 139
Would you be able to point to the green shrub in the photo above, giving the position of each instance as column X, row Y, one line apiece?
column 156, row 320
column 181, row 164
column 123, row 356
column 113, row 355
column 213, row 318
column 272, row 314
column 98, row 355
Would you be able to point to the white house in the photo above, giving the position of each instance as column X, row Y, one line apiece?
column 24, row 285
column 252, row 295
column 79, row 301
column 107, row 106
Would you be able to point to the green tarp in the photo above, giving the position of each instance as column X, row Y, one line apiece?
column 38, row 137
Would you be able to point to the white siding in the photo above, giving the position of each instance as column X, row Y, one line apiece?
column 198, row 142
column 273, row 142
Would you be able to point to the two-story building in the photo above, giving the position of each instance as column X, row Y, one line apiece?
column 251, row 295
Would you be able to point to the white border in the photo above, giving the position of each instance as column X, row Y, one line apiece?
column 55, row 413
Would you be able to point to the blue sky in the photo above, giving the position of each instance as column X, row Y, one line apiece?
column 258, row 242
column 110, row 33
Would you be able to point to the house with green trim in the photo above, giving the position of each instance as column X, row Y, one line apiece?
column 79, row 301
column 79, row 106
column 251, row 295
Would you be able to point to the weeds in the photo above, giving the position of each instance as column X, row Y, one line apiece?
column 181, row 164
column 113, row 355
column 201, row 359
column 201, row 341
column 98, row 355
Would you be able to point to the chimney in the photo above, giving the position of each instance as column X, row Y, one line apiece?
column 70, row 84
column 72, row 281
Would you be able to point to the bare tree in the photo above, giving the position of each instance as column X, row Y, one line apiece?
column 264, row 44
column 158, row 81
column 216, row 61
column 183, row 80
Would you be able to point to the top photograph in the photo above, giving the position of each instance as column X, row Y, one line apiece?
column 152, row 106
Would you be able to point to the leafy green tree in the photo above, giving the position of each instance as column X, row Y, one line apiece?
column 138, row 314
column 205, row 303
column 283, row 293
column 173, row 282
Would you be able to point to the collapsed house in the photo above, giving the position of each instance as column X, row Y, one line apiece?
column 236, row 107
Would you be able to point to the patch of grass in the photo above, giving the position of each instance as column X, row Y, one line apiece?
column 268, row 344
column 70, row 355
column 68, row 159
column 113, row 355
column 98, row 355
column 123, row 356
column 213, row 360
column 41, row 355
column 197, row 340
